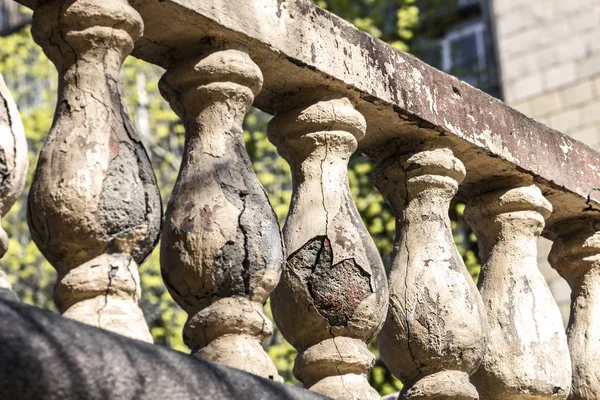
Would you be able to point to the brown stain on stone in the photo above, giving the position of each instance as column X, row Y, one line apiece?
column 336, row 290
column 113, row 148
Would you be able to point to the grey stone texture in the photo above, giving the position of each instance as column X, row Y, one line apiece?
column 300, row 47
column 333, row 90
column 575, row 255
column 550, row 62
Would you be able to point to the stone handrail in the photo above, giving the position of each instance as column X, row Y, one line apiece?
column 300, row 47
column 333, row 90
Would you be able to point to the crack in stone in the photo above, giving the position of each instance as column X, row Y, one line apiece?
column 135, row 283
column 337, row 367
column 323, row 185
column 406, row 305
column 588, row 201
column 323, row 170
column 111, row 274
column 405, row 224
column 246, row 272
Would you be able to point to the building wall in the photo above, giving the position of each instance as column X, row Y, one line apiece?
column 549, row 56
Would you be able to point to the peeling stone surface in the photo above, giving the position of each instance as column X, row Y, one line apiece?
column 336, row 290
column 332, row 296
column 576, row 256
column 221, row 251
column 13, row 169
column 527, row 356
column 94, row 207
column 436, row 328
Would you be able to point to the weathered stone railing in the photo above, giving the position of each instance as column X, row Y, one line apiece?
column 13, row 169
column 333, row 90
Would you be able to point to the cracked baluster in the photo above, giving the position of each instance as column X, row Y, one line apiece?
column 527, row 356
column 13, row 170
column 221, row 251
column 94, row 207
column 435, row 333
column 576, row 256
column 332, row 297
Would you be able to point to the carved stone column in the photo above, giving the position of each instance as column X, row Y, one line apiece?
column 221, row 251
column 94, row 206
column 435, row 333
column 333, row 296
column 527, row 356
column 576, row 256
column 13, row 170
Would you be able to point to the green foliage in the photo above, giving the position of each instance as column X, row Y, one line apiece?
column 392, row 21
column 32, row 79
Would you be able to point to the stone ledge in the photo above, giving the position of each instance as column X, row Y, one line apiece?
column 405, row 101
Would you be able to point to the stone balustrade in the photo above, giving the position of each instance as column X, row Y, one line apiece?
column 94, row 208
column 13, row 170
column 436, row 329
column 95, row 211
column 333, row 295
column 221, row 249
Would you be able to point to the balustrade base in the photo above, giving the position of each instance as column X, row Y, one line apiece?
column 104, row 292
column 346, row 387
column 240, row 352
column 114, row 314
column 445, row 385
column 230, row 332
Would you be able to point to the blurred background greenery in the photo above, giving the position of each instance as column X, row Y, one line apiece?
column 33, row 80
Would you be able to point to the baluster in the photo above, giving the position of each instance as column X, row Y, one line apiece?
column 332, row 297
column 576, row 256
column 435, row 333
column 221, row 251
column 527, row 355
column 94, row 207
column 13, row 171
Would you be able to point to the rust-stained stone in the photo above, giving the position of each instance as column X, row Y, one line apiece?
column 332, row 296
column 337, row 290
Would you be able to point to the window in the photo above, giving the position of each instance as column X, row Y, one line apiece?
column 463, row 52
column 468, row 3
column 4, row 17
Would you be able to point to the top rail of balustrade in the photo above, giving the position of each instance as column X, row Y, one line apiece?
column 302, row 48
